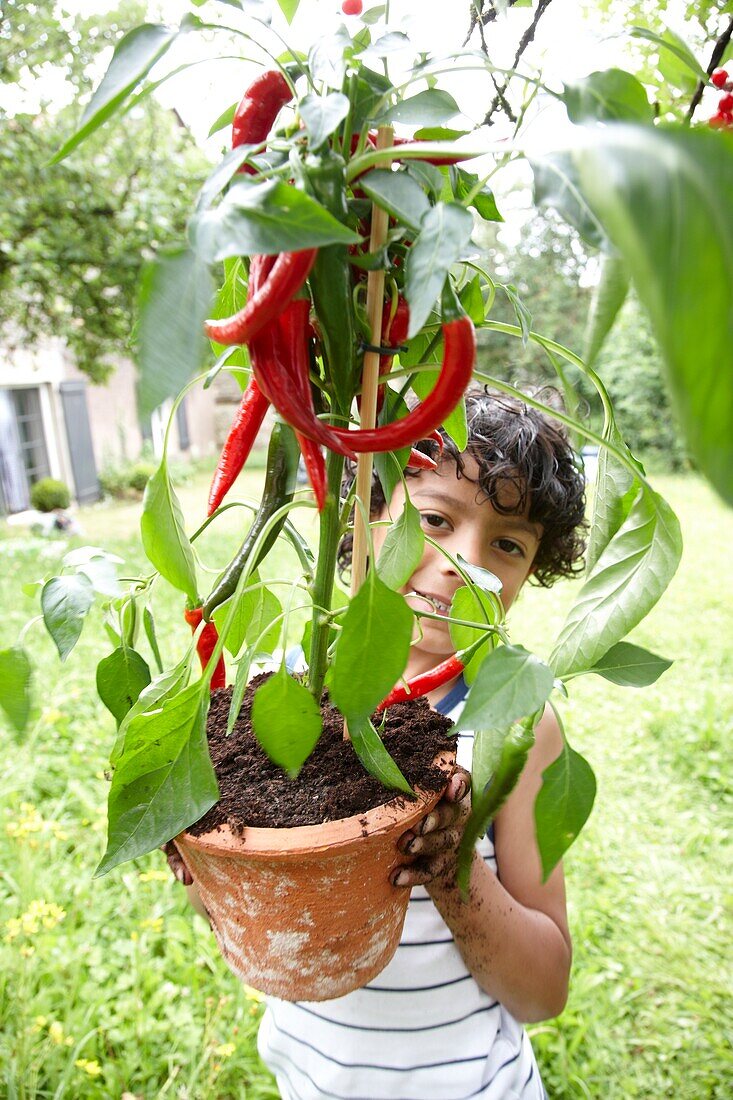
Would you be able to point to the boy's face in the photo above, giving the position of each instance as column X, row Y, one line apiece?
column 451, row 515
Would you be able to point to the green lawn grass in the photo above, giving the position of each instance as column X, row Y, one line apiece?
column 111, row 988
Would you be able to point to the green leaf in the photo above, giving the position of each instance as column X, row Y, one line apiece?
column 65, row 602
column 485, row 804
column 240, row 686
column 134, row 56
column 327, row 58
column 120, row 678
column 163, row 534
column 483, row 201
column 429, row 176
column 562, row 806
column 369, row 747
column 614, row 494
column 373, row 15
column 664, row 199
column 163, row 687
column 267, row 218
column 510, row 684
column 175, row 297
column 402, row 548
column 476, row 606
column 524, row 317
column 149, row 624
column 289, row 8
column 286, row 721
column 472, row 300
column 15, row 683
column 224, row 171
column 677, row 63
column 629, row 577
column 398, row 194
column 321, row 116
column 226, row 118
column 445, row 233
column 485, row 756
column 608, row 96
column 481, row 577
column 556, row 185
column 631, row 666
column 609, row 294
column 163, row 781
column 375, row 635
column 257, row 607
column 430, row 108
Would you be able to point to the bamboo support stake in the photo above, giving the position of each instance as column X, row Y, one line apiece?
column 370, row 383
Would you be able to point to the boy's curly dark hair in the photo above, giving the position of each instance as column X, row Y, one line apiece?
column 515, row 444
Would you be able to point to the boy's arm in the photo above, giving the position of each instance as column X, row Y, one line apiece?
column 182, row 873
column 512, row 934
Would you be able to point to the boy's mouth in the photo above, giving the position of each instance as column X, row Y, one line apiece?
column 438, row 605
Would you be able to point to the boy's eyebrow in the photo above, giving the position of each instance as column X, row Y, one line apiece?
column 518, row 523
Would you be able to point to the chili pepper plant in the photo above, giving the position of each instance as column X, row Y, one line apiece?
column 338, row 227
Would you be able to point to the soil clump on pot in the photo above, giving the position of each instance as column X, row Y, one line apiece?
column 332, row 783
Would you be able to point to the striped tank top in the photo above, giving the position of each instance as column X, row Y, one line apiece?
column 421, row 1030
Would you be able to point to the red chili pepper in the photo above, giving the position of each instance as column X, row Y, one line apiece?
column 426, row 681
column 459, row 356
column 315, row 465
column 394, row 334
column 259, row 108
column 280, row 361
column 289, row 272
column 239, row 442
column 205, row 646
column 420, row 461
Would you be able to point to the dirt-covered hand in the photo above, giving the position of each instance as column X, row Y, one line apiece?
column 176, row 864
column 435, row 839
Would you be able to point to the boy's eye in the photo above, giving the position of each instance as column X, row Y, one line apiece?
column 509, row 546
column 432, row 519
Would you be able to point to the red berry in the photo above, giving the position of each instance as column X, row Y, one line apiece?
column 725, row 105
column 719, row 78
column 352, row 7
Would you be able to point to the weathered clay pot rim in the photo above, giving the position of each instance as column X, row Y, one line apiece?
column 346, row 832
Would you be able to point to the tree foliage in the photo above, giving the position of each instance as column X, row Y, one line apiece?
column 75, row 236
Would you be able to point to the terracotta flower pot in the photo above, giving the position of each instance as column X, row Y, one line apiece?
column 308, row 913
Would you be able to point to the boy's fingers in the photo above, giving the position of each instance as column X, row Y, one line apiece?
column 459, row 785
column 424, row 871
column 176, row 864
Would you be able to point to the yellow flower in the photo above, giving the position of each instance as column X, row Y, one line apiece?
column 154, row 923
column 56, row 1033
column 91, row 1066
column 253, row 994
column 225, row 1050
column 134, row 936
column 39, row 914
column 26, row 950
column 155, row 876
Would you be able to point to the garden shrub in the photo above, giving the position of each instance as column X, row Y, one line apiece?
column 49, row 494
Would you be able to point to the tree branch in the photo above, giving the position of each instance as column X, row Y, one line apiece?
column 527, row 37
column 715, row 58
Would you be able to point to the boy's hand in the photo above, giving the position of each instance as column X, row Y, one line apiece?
column 176, row 864
column 436, row 837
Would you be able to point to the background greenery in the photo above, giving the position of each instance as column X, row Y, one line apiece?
column 121, row 992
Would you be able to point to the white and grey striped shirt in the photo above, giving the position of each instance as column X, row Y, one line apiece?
column 422, row 1030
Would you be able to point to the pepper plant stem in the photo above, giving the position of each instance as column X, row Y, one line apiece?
column 322, row 590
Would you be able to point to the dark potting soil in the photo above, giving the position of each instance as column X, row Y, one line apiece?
column 332, row 783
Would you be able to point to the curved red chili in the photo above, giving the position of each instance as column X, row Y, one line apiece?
column 289, row 272
column 426, row 682
column 239, row 443
column 315, row 465
column 258, row 109
column 205, row 646
column 459, row 356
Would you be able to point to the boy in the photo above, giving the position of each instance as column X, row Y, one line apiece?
column 443, row 1019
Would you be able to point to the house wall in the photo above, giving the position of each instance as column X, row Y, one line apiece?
column 116, row 432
